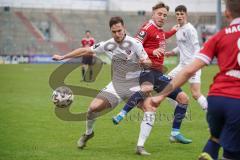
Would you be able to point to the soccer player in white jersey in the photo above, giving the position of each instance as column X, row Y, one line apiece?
column 128, row 55
column 187, row 47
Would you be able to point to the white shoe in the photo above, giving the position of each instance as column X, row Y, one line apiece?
column 141, row 151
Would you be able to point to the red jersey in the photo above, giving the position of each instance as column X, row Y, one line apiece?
column 225, row 46
column 153, row 37
column 87, row 42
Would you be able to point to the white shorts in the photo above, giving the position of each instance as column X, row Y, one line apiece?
column 196, row 78
column 117, row 92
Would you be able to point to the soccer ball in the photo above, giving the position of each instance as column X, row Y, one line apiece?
column 62, row 97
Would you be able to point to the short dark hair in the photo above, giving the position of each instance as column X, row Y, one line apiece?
column 87, row 31
column 234, row 7
column 115, row 20
column 181, row 8
column 160, row 5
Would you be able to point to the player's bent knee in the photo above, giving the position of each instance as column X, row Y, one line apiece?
column 146, row 87
column 99, row 104
column 148, row 106
column 182, row 98
column 91, row 115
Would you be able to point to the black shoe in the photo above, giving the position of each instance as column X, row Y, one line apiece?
column 81, row 143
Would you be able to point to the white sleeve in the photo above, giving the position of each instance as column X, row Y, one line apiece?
column 140, row 50
column 176, row 50
column 193, row 37
column 98, row 48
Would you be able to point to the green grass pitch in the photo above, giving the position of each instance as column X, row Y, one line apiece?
column 30, row 130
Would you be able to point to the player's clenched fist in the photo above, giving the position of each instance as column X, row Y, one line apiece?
column 57, row 57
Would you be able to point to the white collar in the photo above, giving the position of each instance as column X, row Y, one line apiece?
column 235, row 21
column 186, row 24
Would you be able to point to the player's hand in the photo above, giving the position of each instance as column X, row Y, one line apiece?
column 146, row 63
column 158, row 52
column 141, row 61
column 156, row 100
column 57, row 57
column 176, row 27
column 169, row 53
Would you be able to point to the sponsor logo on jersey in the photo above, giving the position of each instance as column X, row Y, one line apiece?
column 96, row 46
column 128, row 52
column 141, row 35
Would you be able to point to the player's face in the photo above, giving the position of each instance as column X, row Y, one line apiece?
column 160, row 16
column 228, row 15
column 118, row 32
column 88, row 34
column 181, row 17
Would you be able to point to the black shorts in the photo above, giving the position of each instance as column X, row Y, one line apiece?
column 87, row 60
column 159, row 81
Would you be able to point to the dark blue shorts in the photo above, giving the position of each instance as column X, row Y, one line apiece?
column 224, row 121
column 88, row 59
column 159, row 81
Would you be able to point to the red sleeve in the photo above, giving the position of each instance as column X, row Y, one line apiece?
column 170, row 33
column 83, row 42
column 92, row 42
column 208, row 50
column 149, row 51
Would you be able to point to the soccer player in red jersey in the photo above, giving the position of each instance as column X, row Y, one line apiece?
column 223, row 114
column 153, row 38
column 87, row 60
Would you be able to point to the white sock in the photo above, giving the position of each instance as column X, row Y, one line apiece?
column 91, row 118
column 146, row 127
column 203, row 102
column 175, row 132
column 89, row 126
column 172, row 102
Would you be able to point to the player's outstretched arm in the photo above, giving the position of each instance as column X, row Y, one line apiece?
column 179, row 80
column 169, row 53
column 173, row 30
column 175, row 27
column 75, row 53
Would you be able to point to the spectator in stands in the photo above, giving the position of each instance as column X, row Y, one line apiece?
column 87, row 41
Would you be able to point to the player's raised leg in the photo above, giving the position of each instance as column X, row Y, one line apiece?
column 131, row 103
column 146, row 81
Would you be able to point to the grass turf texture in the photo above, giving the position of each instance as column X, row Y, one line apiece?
column 30, row 130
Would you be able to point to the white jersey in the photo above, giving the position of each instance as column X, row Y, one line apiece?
column 125, row 57
column 187, row 43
